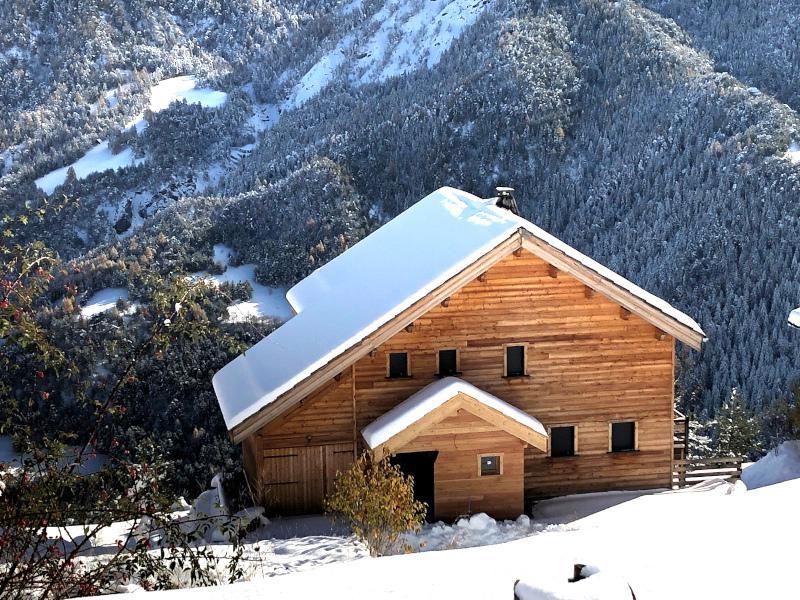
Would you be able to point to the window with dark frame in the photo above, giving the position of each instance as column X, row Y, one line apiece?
column 562, row 441
column 623, row 436
column 515, row 361
column 490, row 465
column 448, row 362
column 398, row 364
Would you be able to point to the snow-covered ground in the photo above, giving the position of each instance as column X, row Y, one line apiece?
column 399, row 38
column 265, row 301
column 781, row 464
column 103, row 301
column 11, row 460
column 714, row 541
column 101, row 158
column 793, row 153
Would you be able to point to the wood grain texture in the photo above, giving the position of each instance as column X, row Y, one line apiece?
column 586, row 366
column 458, row 487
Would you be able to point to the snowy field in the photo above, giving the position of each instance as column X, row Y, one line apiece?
column 793, row 153
column 101, row 158
column 103, row 301
column 716, row 540
column 265, row 301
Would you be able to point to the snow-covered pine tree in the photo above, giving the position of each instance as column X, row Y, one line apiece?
column 738, row 430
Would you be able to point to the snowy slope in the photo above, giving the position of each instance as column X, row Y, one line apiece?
column 640, row 540
column 781, row 464
column 404, row 35
column 264, row 301
column 101, row 158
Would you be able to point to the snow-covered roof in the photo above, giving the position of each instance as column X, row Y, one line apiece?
column 344, row 301
column 794, row 317
column 431, row 397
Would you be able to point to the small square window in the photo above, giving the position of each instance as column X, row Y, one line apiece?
column 490, row 465
column 398, row 364
column 562, row 441
column 623, row 436
column 448, row 362
column 515, row 361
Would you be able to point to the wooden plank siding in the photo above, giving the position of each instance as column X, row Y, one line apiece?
column 587, row 364
column 458, row 487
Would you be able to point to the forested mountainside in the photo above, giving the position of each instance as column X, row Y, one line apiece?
column 301, row 127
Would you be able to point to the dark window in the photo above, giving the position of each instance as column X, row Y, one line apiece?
column 447, row 362
column 562, row 441
column 515, row 361
column 623, row 436
column 398, row 364
column 490, row 465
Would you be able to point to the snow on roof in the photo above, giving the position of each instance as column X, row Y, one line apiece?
column 359, row 291
column 430, row 398
column 347, row 299
column 794, row 317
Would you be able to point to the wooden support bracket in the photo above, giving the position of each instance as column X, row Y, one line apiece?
column 410, row 327
column 446, row 302
column 552, row 271
column 482, row 277
column 588, row 292
column 624, row 313
column 660, row 335
column 518, row 252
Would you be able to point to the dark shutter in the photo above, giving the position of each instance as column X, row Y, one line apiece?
column 562, row 441
column 623, row 436
column 447, row 362
column 515, row 361
column 398, row 364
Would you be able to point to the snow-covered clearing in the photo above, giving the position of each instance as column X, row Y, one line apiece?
column 103, row 301
column 265, row 301
column 793, row 153
column 399, row 38
column 712, row 541
column 101, row 158
column 11, row 460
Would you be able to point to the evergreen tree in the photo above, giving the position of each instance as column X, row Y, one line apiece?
column 738, row 430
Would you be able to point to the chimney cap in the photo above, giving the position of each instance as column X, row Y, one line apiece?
column 505, row 199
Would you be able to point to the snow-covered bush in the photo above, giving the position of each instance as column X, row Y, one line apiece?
column 377, row 500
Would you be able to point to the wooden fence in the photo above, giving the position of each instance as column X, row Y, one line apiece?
column 691, row 472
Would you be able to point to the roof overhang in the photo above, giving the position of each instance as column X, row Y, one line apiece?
column 614, row 292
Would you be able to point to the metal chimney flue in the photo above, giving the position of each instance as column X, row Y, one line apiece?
column 505, row 199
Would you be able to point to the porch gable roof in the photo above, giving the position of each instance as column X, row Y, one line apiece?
column 434, row 402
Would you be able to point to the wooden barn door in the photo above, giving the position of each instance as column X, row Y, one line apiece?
column 296, row 480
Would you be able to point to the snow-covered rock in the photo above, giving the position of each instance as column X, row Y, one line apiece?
column 596, row 585
column 781, row 464
column 209, row 515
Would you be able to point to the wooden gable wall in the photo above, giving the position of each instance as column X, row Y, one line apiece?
column 589, row 363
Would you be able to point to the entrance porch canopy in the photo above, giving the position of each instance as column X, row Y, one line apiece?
column 435, row 402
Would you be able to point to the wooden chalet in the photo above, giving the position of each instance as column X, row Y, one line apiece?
column 493, row 362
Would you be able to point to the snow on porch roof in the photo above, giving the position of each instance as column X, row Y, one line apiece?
column 347, row 299
column 431, row 397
